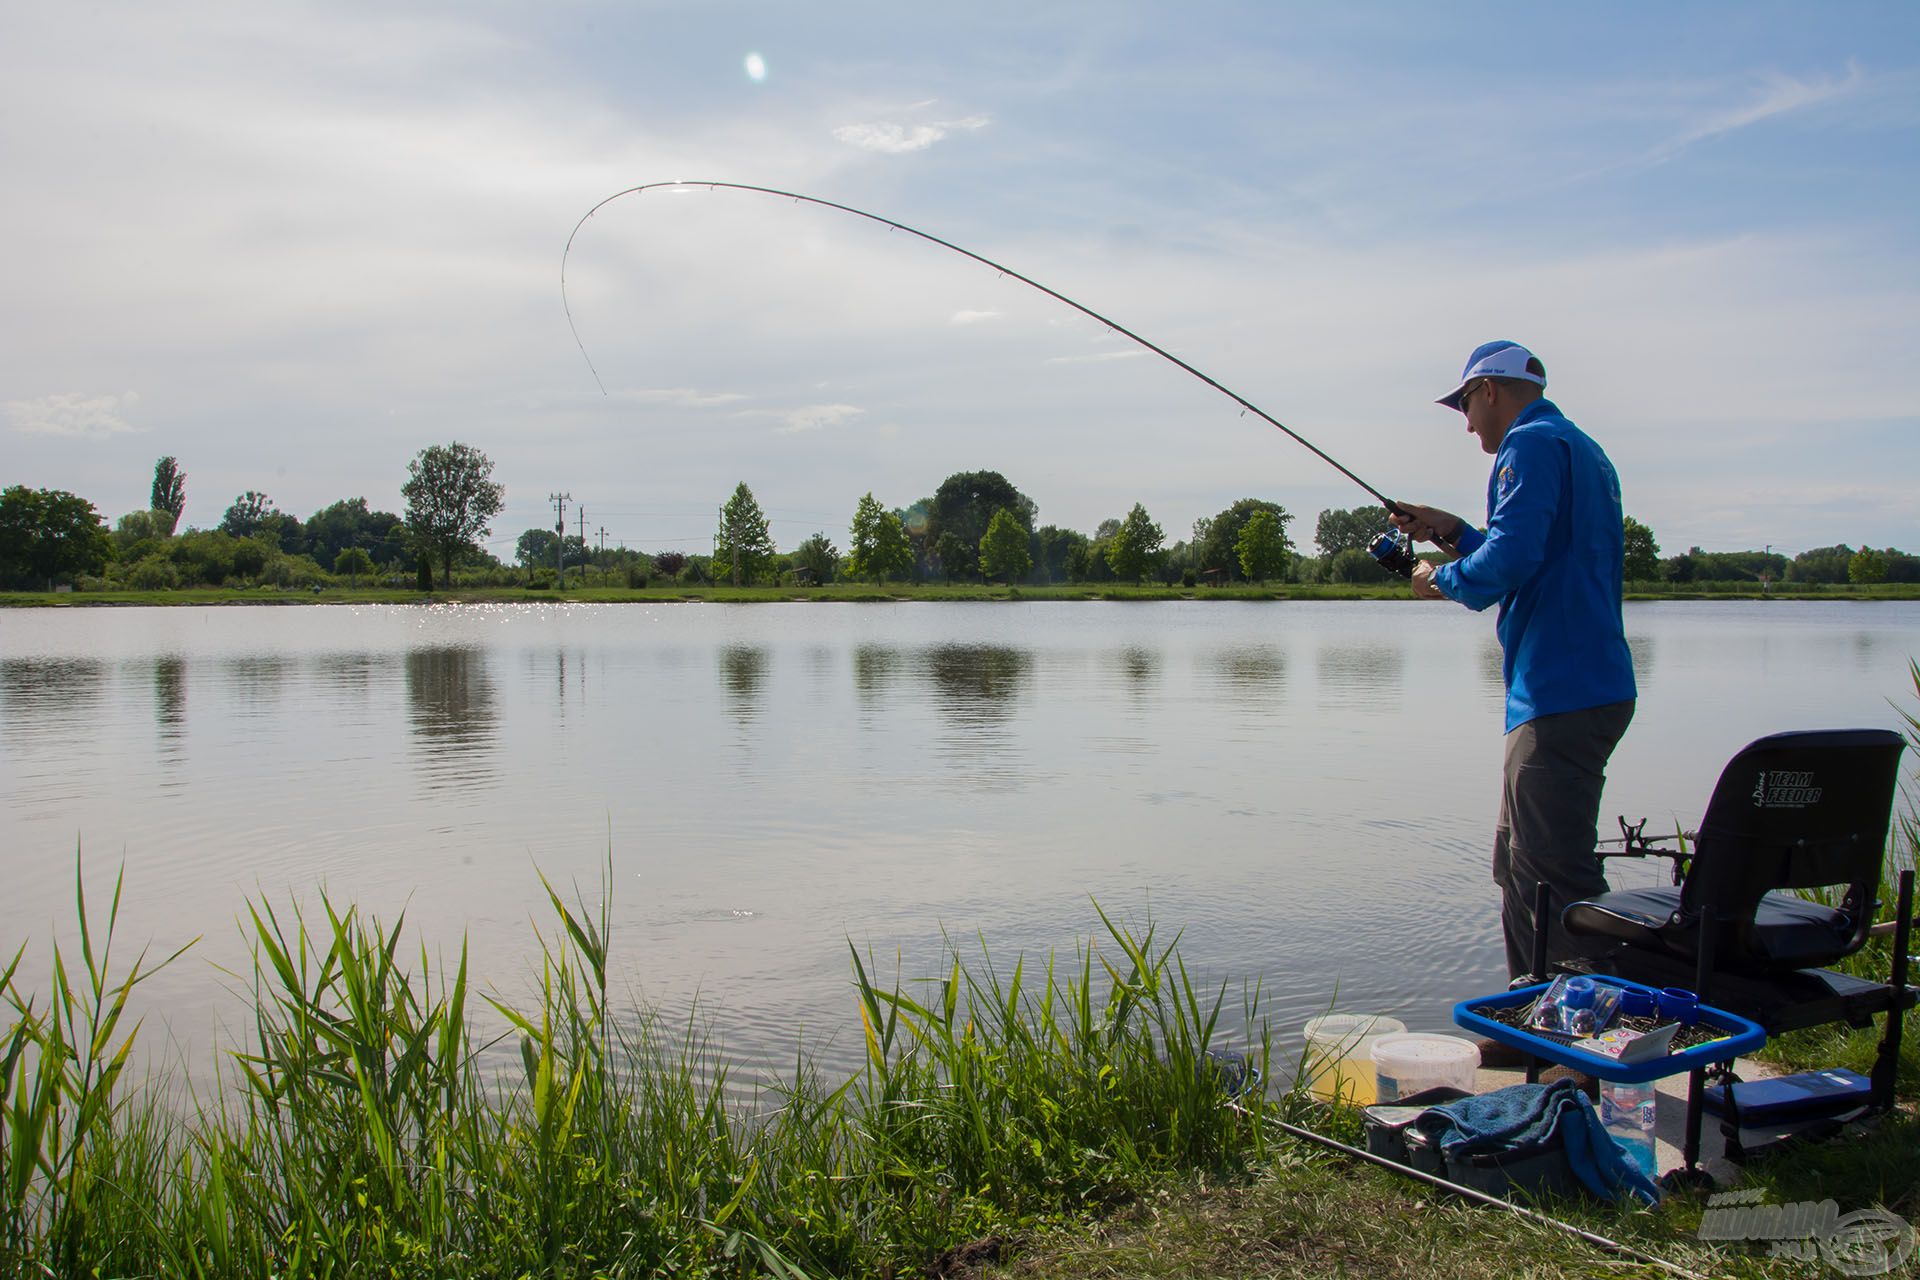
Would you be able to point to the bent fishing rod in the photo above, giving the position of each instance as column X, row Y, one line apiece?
column 1003, row 269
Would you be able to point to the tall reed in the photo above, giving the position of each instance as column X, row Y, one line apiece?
column 359, row 1131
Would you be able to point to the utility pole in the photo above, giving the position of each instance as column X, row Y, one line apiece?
column 560, row 501
column 603, row 542
column 582, row 510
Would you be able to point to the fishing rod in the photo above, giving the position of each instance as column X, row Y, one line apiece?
column 1481, row 1197
column 1396, row 555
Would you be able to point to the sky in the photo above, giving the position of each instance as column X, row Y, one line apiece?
column 294, row 244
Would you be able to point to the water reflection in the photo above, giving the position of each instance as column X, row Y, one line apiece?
column 1140, row 667
column 347, row 671
column 1362, row 675
column 743, row 669
column 1252, row 668
column 1640, row 648
column 976, row 688
column 977, row 683
column 875, row 666
column 452, row 713
column 257, row 679
column 170, row 704
column 42, row 694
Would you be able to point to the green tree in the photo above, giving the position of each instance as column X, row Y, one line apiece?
column 49, row 533
column 169, row 493
column 1821, row 564
column 1135, row 547
column 818, row 557
column 350, row 523
column 1642, row 552
column 1866, row 567
column 451, row 502
column 879, row 548
column 1053, row 549
column 1262, row 547
column 954, row 557
column 353, row 562
column 1003, row 549
column 242, row 519
column 138, row 534
column 1350, row 530
column 1217, row 549
column 965, row 504
column 742, row 545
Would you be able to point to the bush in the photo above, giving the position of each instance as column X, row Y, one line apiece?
column 155, row 573
column 293, row 571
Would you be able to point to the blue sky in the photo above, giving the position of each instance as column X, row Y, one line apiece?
column 294, row 244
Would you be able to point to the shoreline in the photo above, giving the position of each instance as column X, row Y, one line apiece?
column 849, row 593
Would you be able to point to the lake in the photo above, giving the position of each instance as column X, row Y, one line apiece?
column 1305, row 790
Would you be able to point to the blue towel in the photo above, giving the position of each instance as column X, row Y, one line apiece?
column 1523, row 1116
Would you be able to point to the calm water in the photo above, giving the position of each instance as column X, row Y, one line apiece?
column 1307, row 790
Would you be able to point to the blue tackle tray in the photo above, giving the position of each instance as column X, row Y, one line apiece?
column 1741, row 1037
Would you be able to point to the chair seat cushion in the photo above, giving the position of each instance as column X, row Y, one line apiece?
column 1787, row 932
column 1637, row 917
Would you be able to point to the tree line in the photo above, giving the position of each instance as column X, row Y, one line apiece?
column 977, row 526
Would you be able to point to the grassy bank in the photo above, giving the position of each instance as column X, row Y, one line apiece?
column 856, row 592
column 359, row 1133
column 1064, row 1118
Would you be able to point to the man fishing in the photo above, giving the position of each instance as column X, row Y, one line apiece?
column 1551, row 559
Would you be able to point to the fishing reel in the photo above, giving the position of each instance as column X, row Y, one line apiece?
column 1393, row 551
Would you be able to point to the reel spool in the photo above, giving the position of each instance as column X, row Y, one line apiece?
column 1393, row 551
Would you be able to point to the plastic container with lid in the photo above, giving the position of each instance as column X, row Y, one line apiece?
column 1409, row 1063
column 1339, row 1061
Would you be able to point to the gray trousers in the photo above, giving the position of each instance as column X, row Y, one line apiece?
column 1549, row 819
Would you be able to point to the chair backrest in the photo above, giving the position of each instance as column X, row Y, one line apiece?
column 1800, row 810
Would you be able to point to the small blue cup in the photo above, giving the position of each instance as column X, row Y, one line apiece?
column 1635, row 1003
column 1679, row 1005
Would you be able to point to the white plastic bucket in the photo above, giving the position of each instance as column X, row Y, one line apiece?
column 1408, row 1064
column 1338, row 1061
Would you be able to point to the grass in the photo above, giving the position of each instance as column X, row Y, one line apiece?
column 359, row 1133
column 1059, row 1119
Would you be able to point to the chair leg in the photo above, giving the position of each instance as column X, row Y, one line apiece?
column 1886, row 1062
column 1542, row 926
column 1697, row 1079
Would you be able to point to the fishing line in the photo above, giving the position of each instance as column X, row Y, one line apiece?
column 1245, row 404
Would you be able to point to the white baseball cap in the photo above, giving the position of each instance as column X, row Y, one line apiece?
column 1497, row 359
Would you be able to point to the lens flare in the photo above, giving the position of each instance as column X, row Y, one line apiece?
column 756, row 67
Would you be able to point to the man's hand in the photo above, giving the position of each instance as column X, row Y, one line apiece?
column 1427, row 524
column 1423, row 583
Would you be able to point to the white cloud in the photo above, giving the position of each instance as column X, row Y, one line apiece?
column 892, row 138
column 73, row 415
column 1782, row 94
column 975, row 317
column 807, row 417
column 680, row 397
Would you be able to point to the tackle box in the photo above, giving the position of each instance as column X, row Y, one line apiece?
column 1738, row 1036
column 1808, row 1095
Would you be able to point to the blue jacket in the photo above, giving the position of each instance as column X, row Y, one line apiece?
column 1551, row 559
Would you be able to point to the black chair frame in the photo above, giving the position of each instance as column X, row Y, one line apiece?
column 1743, row 947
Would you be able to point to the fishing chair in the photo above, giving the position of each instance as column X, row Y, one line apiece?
column 1792, row 811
